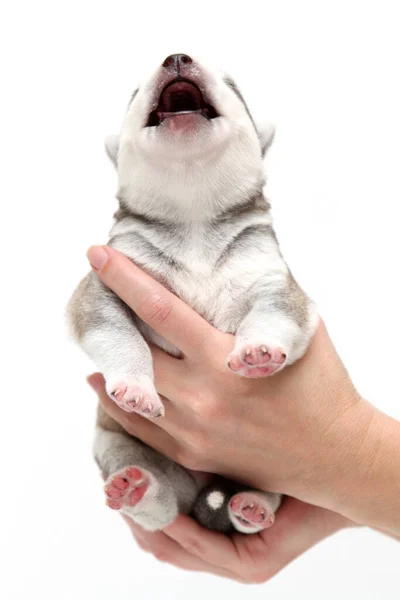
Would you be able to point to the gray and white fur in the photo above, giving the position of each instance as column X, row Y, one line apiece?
column 189, row 159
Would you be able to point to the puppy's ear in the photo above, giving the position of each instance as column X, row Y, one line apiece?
column 112, row 144
column 266, row 134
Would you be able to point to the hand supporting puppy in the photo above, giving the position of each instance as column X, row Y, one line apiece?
column 248, row 559
column 304, row 432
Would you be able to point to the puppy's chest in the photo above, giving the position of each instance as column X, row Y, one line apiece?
column 201, row 270
column 217, row 294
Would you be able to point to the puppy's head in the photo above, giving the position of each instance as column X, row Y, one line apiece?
column 187, row 115
column 185, row 110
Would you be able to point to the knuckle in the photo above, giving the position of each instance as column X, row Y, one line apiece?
column 156, row 309
column 142, row 545
column 193, row 546
column 207, row 408
column 257, row 577
column 161, row 554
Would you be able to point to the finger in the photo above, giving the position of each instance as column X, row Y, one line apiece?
column 144, row 429
column 215, row 548
column 174, row 381
column 167, row 550
column 298, row 527
column 158, row 307
column 169, row 374
column 257, row 558
column 311, row 524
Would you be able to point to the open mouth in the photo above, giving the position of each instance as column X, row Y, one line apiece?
column 180, row 97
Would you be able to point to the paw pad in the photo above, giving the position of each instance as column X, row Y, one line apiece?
column 126, row 488
column 257, row 360
column 136, row 395
column 250, row 511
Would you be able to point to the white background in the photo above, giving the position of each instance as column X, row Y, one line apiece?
column 327, row 73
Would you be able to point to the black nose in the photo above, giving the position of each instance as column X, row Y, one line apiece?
column 176, row 61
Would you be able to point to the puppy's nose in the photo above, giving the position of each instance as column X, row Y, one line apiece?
column 176, row 61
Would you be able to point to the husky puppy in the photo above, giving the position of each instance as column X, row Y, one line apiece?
column 191, row 213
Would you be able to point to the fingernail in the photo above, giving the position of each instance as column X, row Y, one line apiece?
column 97, row 257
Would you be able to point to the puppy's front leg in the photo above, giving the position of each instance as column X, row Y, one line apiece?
column 276, row 331
column 105, row 328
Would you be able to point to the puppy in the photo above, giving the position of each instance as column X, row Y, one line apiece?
column 192, row 213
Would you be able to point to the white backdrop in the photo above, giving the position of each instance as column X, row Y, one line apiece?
column 327, row 74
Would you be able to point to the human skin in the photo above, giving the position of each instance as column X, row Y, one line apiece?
column 305, row 432
column 246, row 559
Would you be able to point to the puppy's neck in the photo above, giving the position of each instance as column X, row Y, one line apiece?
column 188, row 191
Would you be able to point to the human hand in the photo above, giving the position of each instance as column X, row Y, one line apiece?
column 248, row 559
column 299, row 432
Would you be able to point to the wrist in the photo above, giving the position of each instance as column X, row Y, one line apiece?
column 366, row 485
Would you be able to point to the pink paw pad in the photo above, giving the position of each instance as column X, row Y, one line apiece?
column 126, row 488
column 136, row 396
column 257, row 360
column 251, row 511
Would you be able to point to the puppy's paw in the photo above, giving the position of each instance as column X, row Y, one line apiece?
column 126, row 488
column 251, row 512
column 135, row 395
column 145, row 498
column 257, row 360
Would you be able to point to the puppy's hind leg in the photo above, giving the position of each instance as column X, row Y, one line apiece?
column 252, row 511
column 146, row 486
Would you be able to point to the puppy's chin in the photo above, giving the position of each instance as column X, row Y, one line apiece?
column 185, row 137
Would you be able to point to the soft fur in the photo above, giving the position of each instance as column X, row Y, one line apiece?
column 192, row 214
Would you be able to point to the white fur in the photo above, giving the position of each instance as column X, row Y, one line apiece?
column 162, row 501
column 197, row 174
column 215, row 500
column 184, row 180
